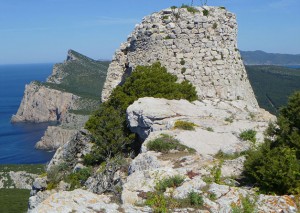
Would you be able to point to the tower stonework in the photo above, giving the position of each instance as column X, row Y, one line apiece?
column 200, row 47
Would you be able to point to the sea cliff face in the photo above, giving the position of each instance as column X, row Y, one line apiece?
column 42, row 104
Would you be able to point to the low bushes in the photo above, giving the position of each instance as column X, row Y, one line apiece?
column 160, row 203
column 165, row 143
column 185, row 125
column 248, row 135
column 275, row 165
column 171, row 182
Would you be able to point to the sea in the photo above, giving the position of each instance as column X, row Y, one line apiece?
column 17, row 140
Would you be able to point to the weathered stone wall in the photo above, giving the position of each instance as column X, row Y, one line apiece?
column 199, row 48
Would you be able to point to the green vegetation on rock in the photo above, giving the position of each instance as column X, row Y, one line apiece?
column 165, row 143
column 248, row 135
column 108, row 125
column 185, row 125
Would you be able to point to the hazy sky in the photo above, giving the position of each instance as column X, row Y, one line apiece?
column 34, row 31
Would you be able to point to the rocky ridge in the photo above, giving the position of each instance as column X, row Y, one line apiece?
column 227, row 107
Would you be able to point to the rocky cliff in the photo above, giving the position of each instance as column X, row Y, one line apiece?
column 43, row 104
column 200, row 47
column 68, row 96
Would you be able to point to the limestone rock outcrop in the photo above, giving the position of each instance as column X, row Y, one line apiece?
column 16, row 180
column 42, row 104
column 54, row 137
column 76, row 201
column 197, row 47
column 219, row 123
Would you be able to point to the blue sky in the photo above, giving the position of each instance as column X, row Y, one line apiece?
column 36, row 31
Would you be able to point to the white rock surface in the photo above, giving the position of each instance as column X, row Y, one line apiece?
column 79, row 200
column 149, row 115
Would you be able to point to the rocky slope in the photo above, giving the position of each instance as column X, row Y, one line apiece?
column 68, row 96
column 226, row 108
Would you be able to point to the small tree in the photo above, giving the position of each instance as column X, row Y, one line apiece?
column 275, row 165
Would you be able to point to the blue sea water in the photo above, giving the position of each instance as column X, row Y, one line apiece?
column 17, row 140
column 293, row 66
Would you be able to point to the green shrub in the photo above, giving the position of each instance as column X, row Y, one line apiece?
column 165, row 17
column 167, row 37
column 273, row 169
column 108, row 126
column 223, row 8
column 171, row 182
column 165, row 143
column 217, row 174
column 210, row 129
column 182, row 61
column 215, row 25
column 275, row 166
column 248, row 135
column 55, row 174
column 157, row 202
column 195, row 199
column 205, row 12
column 185, row 125
column 183, row 69
column 77, row 179
column 212, row 196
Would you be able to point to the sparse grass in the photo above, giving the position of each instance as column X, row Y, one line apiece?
column 248, row 206
column 167, row 37
column 248, row 135
column 229, row 119
column 212, row 196
column 223, row 156
column 165, row 143
column 185, row 125
column 77, row 179
column 190, row 9
column 223, row 8
column 215, row 25
column 171, row 182
column 165, row 17
column 14, row 200
column 251, row 115
column 210, row 129
column 162, row 204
